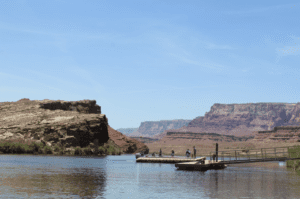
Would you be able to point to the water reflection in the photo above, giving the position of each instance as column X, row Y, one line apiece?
column 122, row 177
column 83, row 182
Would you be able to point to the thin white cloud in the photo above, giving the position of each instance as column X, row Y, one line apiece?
column 22, row 79
column 203, row 64
column 260, row 9
column 167, row 88
column 218, row 47
column 291, row 49
column 15, row 77
column 86, row 75
column 288, row 50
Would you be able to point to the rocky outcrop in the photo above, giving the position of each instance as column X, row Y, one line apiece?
column 84, row 106
column 152, row 128
column 53, row 123
column 243, row 119
column 127, row 144
column 127, row 131
column 293, row 117
column 282, row 133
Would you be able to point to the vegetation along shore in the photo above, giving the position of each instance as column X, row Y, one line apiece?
column 35, row 148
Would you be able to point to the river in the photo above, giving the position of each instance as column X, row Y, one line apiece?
column 30, row 176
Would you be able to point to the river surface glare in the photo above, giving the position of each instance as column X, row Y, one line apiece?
column 28, row 176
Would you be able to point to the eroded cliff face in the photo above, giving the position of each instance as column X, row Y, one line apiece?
column 53, row 122
column 152, row 128
column 71, row 124
column 279, row 134
column 244, row 119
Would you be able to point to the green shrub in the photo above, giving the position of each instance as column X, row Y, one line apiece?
column 113, row 150
column 294, row 152
column 17, row 148
column 101, row 150
column 87, row 151
column 36, row 147
column 48, row 150
column 110, row 150
column 56, row 148
column 40, row 151
column 78, row 151
column 6, row 147
column 27, row 149
column 132, row 148
column 61, row 152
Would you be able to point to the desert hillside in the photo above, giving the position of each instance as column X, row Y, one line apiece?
column 67, row 123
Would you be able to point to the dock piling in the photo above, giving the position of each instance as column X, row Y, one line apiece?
column 217, row 146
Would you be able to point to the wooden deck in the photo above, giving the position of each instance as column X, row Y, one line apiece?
column 166, row 159
column 220, row 159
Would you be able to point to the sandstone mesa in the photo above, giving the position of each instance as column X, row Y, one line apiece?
column 70, row 123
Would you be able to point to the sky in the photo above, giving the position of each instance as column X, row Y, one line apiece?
column 150, row 60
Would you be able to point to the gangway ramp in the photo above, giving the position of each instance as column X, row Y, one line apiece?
column 255, row 155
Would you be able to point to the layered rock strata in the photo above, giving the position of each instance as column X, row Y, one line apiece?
column 83, row 106
column 282, row 133
column 64, row 123
column 152, row 128
column 244, row 119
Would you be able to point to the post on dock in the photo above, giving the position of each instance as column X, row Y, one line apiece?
column 235, row 155
column 217, row 146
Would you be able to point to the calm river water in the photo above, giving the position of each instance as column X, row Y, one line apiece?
column 29, row 176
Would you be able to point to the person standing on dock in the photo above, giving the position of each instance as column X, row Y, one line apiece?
column 160, row 153
column 188, row 153
column 194, row 152
column 172, row 154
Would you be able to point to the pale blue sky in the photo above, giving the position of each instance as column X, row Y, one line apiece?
column 150, row 60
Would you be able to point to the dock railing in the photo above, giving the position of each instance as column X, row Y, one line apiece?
column 255, row 155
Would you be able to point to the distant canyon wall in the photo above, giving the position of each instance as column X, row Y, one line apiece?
column 244, row 119
column 127, row 131
column 152, row 128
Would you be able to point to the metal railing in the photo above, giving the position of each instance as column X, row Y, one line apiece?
column 255, row 155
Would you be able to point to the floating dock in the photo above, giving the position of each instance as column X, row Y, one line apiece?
column 200, row 165
column 166, row 160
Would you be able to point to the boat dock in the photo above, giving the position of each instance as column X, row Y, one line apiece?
column 166, row 160
column 220, row 159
